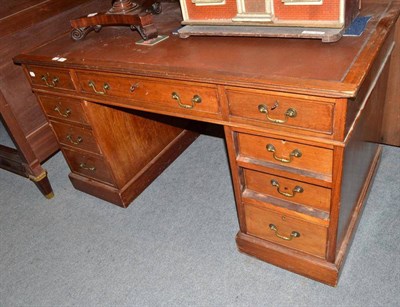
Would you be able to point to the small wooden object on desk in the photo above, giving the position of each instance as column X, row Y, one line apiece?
column 122, row 13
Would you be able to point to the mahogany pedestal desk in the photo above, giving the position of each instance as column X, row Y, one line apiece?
column 301, row 118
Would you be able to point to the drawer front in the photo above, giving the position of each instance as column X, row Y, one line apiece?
column 287, row 189
column 88, row 165
column 268, row 108
column 285, row 230
column 158, row 94
column 63, row 108
column 50, row 78
column 75, row 137
column 285, row 153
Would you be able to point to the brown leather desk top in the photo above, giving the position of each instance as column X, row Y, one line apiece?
column 290, row 65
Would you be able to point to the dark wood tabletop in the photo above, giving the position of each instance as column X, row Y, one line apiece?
column 297, row 65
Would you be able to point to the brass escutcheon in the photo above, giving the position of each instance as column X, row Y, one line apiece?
column 296, row 189
column 294, row 154
column 294, row 234
column 195, row 99
column 290, row 113
column 106, row 87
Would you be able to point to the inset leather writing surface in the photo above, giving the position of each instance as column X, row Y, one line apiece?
column 211, row 57
column 302, row 64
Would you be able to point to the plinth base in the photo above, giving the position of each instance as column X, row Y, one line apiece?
column 325, row 34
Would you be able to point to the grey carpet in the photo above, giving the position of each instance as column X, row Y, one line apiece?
column 4, row 137
column 174, row 246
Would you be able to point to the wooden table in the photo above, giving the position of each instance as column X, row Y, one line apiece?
column 302, row 120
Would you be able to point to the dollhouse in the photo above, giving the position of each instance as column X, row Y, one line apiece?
column 257, row 15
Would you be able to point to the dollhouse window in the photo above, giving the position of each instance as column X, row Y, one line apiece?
column 254, row 11
column 208, row 2
column 302, row 2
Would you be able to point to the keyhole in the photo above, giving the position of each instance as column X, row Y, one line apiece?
column 276, row 104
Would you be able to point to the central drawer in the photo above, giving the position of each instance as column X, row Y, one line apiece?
column 152, row 93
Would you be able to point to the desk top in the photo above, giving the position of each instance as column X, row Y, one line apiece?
column 290, row 65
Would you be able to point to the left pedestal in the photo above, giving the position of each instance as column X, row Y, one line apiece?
column 114, row 154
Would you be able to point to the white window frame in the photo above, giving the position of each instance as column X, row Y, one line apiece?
column 302, row 2
column 208, row 2
column 255, row 17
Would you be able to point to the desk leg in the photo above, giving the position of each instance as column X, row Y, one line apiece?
column 43, row 184
column 22, row 161
column 11, row 160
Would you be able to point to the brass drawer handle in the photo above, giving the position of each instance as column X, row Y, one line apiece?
column 290, row 113
column 195, row 99
column 67, row 112
column 77, row 142
column 296, row 189
column 52, row 83
column 133, row 87
column 106, row 87
column 295, row 153
column 88, row 168
column 294, row 234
